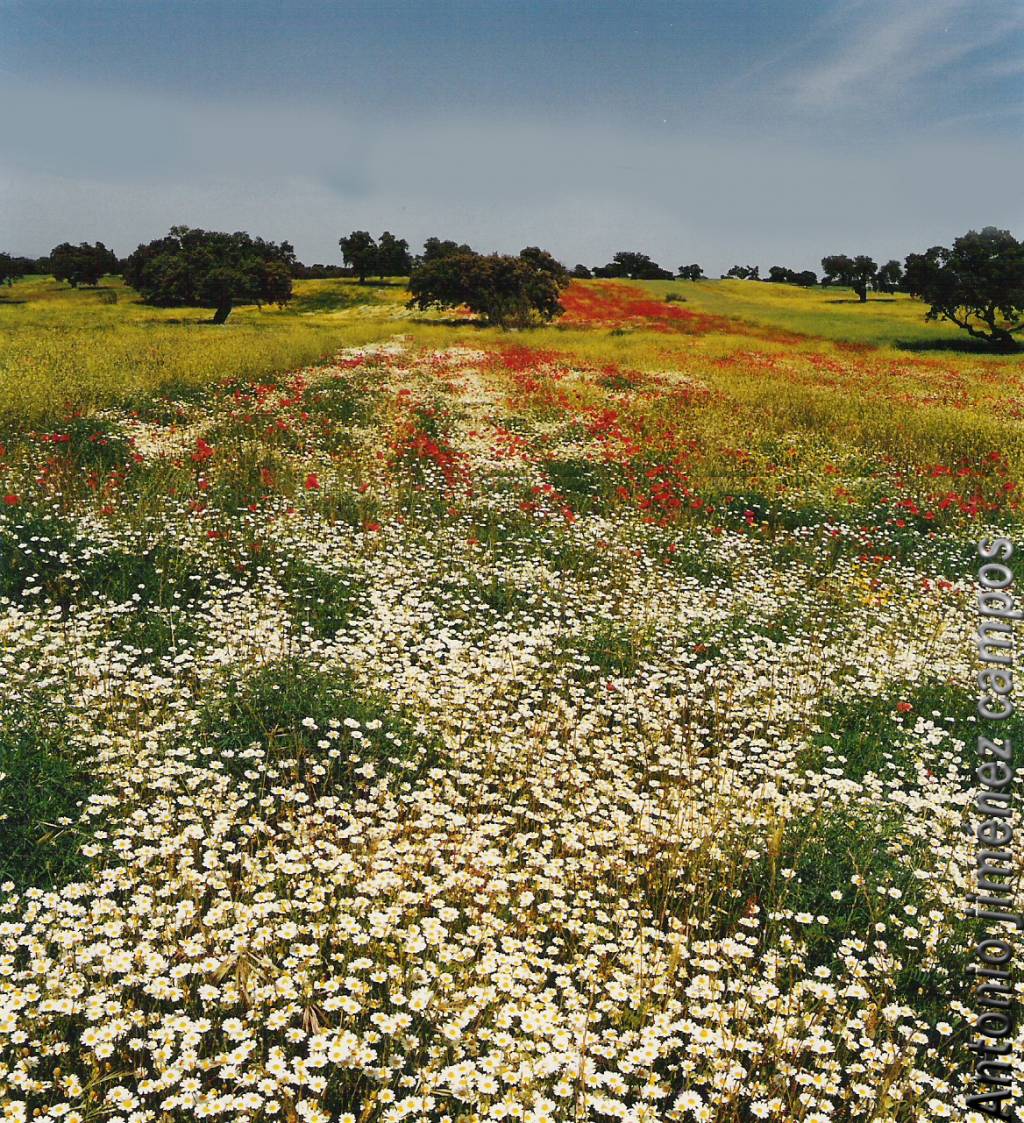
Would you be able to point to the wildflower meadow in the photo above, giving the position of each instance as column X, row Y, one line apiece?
column 405, row 719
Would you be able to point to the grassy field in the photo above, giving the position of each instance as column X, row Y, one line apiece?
column 887, row 319
column 405, row 719
column 93, row 346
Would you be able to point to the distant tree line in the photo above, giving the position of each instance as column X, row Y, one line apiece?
column 977, row 283
column 11, row 267
column 318, row 272
column 83, row 264
column 635, row 266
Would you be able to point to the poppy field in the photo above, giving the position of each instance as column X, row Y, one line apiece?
column 428, row 722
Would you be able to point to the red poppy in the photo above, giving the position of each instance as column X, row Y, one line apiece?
column 12, row 500
column 312, row 482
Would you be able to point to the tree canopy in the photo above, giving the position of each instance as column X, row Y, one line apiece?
column 505, row 290
column 857, row 273
column 210, row 269
column 889, row 277
column 82, row 264
column 393, row 257
column 635, row 266
column 690, row 273
column 545, row 263
column 368, row 257
column 978, row 284
column 780, row 274
column 359, row 252
column 744, row 272
column 434, row 248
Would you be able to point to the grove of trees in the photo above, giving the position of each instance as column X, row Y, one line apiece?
column 210, row 269
column 507, row 291
column 317, row 272
column 83, row 264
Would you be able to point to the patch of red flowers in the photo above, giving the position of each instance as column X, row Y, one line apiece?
column 614, row 304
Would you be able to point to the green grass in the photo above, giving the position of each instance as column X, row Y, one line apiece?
column 324, row 601
column 835, row 864
column 475, row 599
column 86, row 347
column 892, row 319
column 154, row 586
column 35, row 545
column 64, row 348
column 577, row 480
column 872, row 735
column 41, row 787
column 271, row 723
column 610, row 650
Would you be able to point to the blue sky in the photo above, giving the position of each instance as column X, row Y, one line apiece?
column 718, row 132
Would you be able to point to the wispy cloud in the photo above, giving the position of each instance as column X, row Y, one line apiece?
column 1005, row 68
column 887, row 48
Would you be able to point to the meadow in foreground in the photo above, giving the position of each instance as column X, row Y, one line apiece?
column 561, row 725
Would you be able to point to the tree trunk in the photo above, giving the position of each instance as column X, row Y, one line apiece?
column 222, row 313
column 862, row 292
column 997, row 335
